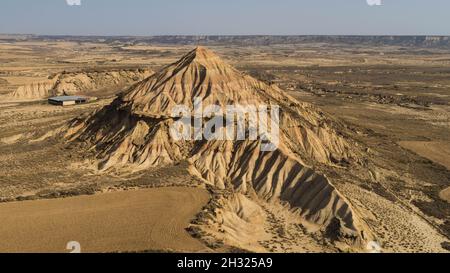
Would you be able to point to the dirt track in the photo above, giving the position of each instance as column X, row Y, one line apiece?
column 142, row 220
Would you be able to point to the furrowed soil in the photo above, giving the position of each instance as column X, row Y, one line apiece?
column 127, row 221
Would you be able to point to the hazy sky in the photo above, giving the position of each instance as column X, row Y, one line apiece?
column 233, row 17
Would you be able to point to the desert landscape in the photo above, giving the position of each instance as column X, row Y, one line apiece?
column 364, row 151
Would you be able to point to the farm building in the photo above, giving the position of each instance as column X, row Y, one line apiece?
column 67, row 100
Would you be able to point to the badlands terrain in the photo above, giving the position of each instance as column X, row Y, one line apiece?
column 363, row 156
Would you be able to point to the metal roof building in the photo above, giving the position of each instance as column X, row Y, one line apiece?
column 67, row 100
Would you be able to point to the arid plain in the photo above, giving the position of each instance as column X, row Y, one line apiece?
column 391, row 100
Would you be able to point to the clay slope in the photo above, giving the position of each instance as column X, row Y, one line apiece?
column 133, row 134
column 34, row 90
column 77, row 83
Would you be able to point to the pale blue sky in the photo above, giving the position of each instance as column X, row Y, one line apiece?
column 232, row 17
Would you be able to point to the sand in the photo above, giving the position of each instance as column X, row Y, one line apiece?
column 150, row 219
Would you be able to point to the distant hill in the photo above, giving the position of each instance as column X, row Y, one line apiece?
column 406, row 41
column 414, row 41
column 89, row 82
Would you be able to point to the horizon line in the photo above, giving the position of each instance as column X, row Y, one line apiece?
column 231, row 35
